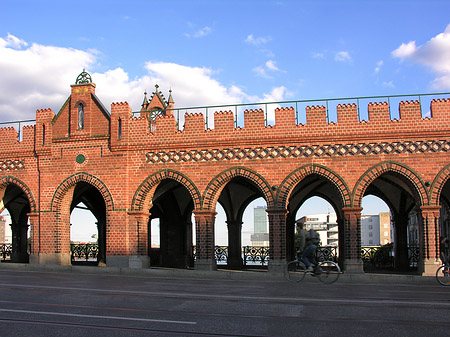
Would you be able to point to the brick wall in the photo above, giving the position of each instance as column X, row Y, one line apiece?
column 350, row 153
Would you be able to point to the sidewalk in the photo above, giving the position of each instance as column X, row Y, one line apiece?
column 259, row 275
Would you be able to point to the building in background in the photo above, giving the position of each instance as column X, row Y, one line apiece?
column 5, row 229
column 2, row 229
column 376, row 229
column 260, row 237
column 325, row 225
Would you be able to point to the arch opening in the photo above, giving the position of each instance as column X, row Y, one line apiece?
column 235, row 221
column 14, row 208
column 87, row 225
column 171, row 215
column 402, row 199
column 316, row 202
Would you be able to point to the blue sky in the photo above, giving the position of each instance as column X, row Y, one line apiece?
column 220, row 52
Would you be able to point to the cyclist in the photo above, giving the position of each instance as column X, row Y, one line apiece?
column 306, row 245
column 443, row 249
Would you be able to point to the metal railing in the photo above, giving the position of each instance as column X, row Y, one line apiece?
column 6, row 251
column 269, row 108
column 19, row 126
column 380, row 257
column 83, row 252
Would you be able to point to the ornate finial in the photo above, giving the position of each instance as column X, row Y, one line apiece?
column 170, row 96
column 83, row 78
column 156, row 87
column 145, row 102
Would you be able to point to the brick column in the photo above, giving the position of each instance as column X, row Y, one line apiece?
column 34, row 236
column 429, row 240
column 46, row 240
column 277, row 239
column 204, row 229
column 139, row 257
column 352, row 235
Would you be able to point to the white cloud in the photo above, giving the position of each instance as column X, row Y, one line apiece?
column 257, row 41
column 261, row 72
column 434, row 54
column 378, row 66
column 200, row 32
column 277, row 94
column 389, row 84
column 405, row 50
column 342, row 56
column 271, row 65
column 318, row 55
column 12, row 41
column 264, row 70
column 36, row 77
column 40, row 76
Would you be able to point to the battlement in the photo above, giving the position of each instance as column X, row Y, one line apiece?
column 12, row 142
column 127, row 131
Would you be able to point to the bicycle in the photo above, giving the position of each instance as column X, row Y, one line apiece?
column 443, row 274
column 295, row 271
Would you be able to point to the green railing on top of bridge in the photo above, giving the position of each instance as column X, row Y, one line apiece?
column 269, row 107
column 329, row 103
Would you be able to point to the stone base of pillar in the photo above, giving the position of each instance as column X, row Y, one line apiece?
column 128, row 261
column 354, row 266
column 277, row 266
column 205, row 264
column 139, row 262
column 55, row 258
column 429, row 267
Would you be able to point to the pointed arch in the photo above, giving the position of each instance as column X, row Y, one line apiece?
column 215, row 187
column 299, row 174
column 145, row 191
column 6, row 180
column 438, row 184
column 390, row 166
column 71, row 181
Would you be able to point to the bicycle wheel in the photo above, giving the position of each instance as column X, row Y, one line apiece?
column 330, row 272
column 295, row 271
column 443, row 275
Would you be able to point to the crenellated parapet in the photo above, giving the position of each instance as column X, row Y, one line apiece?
column 164, row 131
column 121, row 119
column 126, row 131
column 44, row 131
column 10, row 144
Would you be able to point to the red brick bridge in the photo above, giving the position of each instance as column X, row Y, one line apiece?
column 128, row 170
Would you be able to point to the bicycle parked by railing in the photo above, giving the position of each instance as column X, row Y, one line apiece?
column 326, row 271
column 443, row 274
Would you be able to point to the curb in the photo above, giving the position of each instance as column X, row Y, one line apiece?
column 258, row 275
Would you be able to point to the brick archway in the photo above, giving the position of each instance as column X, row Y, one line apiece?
column 6, row 180
column 438, row 184
column 71, row 181
column 146, row 189
column 389, row 166
column 215, row 187
column 296, row 176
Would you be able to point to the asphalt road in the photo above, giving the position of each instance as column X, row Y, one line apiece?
column 37, row 303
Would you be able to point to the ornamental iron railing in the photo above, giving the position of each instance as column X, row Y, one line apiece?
column 380, row 257
column 6, row 251
column 373, row 256
column 83, row 252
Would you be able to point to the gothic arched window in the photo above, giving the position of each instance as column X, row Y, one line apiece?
column 80, row 116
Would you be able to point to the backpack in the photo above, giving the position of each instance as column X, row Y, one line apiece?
column 314, row 237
